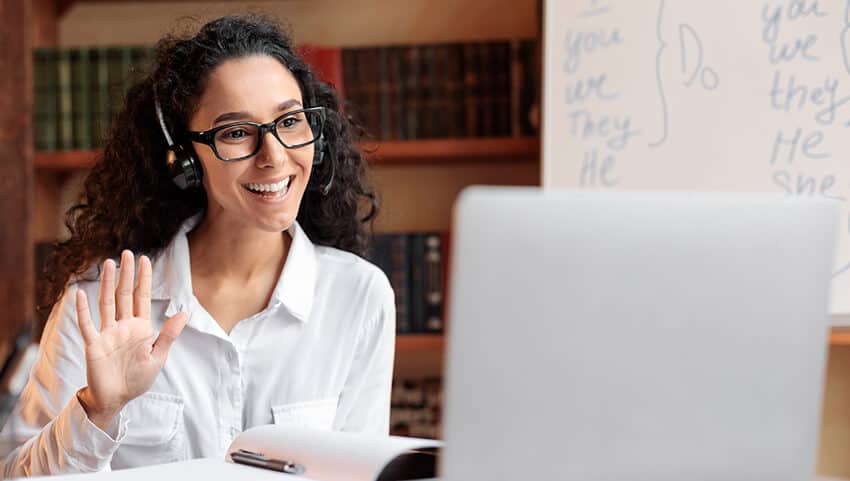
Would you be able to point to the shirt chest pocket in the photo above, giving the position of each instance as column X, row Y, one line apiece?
column 155, row 432
column 312, row 414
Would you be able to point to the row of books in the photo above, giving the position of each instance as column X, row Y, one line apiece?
column 477, row 89
column 77, row 92
column 415, row 264
column 416, row 407
column 480, row 89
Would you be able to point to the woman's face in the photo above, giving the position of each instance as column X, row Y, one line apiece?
column 253, row 191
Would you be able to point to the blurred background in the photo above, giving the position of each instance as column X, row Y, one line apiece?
column 447, row 90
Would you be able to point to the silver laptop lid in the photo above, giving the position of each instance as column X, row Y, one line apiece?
column 636, row 336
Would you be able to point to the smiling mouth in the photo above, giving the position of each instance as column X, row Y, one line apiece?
column 270, row 191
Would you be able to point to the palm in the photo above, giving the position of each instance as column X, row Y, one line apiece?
column 122, row 360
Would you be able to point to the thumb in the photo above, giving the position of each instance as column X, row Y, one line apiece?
column 172, row 328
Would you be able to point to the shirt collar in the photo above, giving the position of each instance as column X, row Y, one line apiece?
column 297, row 283
column 171, row 273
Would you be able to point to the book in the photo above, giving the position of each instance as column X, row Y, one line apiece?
column 326, row 63
column 433, row 276
column 64, row 89
column 389, row 252
column 321, row 456
column 81, row 103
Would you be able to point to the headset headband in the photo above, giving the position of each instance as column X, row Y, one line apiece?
column 162, row 120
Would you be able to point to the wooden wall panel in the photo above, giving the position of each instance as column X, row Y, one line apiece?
column 16, row 171
column 328, row 22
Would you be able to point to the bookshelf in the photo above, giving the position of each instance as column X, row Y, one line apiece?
column 418, row 179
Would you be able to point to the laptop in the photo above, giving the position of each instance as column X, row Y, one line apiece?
column 636, row 336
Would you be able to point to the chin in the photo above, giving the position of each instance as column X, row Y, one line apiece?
column 276, row 225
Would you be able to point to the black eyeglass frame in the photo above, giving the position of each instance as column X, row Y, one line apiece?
column 207, row 137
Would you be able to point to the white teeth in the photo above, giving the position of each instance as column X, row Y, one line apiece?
column 276, row 187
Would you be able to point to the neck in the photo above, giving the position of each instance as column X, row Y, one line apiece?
column 221, row 250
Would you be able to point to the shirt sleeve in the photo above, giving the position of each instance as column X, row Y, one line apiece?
column 364, row 404
column 56, row 434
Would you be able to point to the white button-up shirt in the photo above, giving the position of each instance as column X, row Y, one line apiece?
column 320, row 354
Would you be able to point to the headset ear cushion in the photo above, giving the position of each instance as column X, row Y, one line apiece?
column 184, row 168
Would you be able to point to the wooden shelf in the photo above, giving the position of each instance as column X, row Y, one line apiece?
column 65, row 159
column 400, row 152
column 487, row 149
column 407, row 343
column 840, row 336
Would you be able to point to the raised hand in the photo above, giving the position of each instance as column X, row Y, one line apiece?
column 122, row 360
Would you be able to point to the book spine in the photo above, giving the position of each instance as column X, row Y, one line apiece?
column 51, row 99
column 416, row 252
column 426, row 92
column 384, row 92
column 371, row 76
column 454, row 91
column 487, row 72
column 433, row 283
column 471, row 90
column 503, row 90
column 66, row 114
column 326, row 64
column 515, row 89
column 400, row 281
column 100, row 96
column 81, row 98
column 411, row 93
column 440, row 91
column 115, row 62
column 389, row 253
column 394, row 56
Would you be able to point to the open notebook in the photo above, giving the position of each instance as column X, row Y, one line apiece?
column 323, row 456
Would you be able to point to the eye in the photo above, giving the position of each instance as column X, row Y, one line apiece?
column 289, row 122
column 235, row 134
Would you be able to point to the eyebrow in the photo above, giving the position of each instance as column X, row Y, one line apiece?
column 243, row 115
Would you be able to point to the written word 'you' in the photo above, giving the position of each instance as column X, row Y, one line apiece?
column 580, row 44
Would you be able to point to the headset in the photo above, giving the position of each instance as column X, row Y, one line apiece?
column 186, row 171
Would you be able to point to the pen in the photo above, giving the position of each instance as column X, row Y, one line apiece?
column 250, row 458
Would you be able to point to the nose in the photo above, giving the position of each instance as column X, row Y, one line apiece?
column 272, row 153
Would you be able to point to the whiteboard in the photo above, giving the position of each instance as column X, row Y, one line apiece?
column 695, row 95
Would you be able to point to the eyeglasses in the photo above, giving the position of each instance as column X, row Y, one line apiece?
column 240, row 140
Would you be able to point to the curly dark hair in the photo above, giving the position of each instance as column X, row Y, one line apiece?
column 129, row 200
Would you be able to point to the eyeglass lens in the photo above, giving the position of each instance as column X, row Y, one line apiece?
column 242, row 140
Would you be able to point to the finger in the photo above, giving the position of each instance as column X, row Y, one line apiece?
column 172, row 328
column 124, row 293
column 142, row 294
column 107, row 295
column 84, row 318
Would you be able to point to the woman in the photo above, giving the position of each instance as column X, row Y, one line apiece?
column 235, row 197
